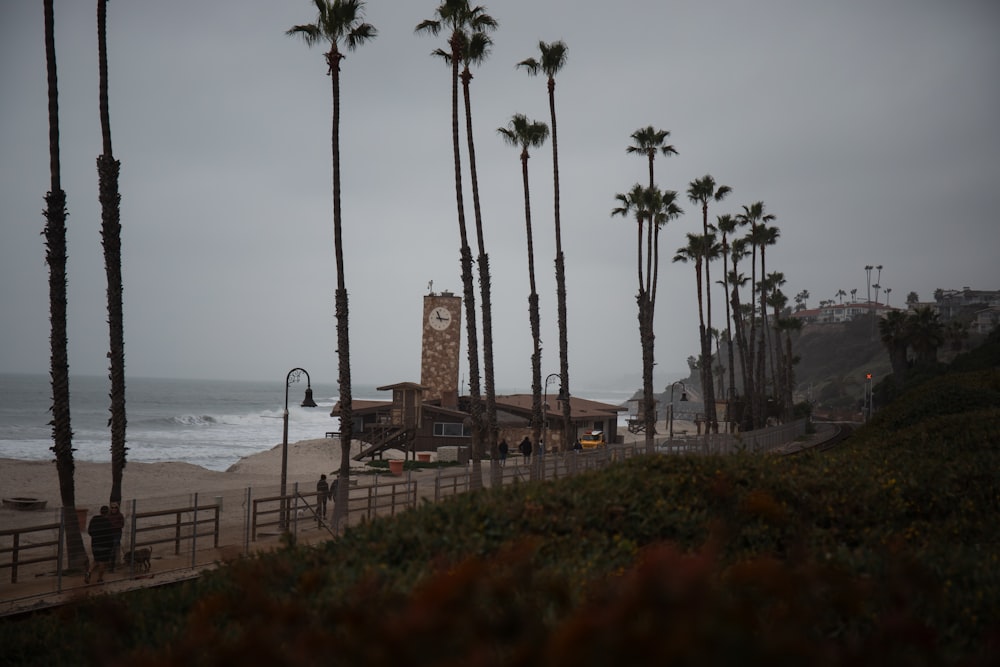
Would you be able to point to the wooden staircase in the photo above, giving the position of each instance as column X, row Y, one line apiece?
column 382, row 437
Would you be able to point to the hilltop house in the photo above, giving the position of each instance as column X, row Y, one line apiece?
column 842, row 312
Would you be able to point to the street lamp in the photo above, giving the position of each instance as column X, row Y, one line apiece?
column 563, row 396
column 684, row 397
column 307, row 402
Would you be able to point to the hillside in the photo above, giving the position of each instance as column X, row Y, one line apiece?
column 833, row 360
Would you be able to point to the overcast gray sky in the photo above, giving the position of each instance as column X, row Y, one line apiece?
column 869, row 128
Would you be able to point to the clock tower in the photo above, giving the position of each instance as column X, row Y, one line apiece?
column 442, row 337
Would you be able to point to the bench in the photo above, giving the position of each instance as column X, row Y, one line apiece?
column 333, row 434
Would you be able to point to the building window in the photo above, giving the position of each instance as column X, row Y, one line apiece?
column 450, row 430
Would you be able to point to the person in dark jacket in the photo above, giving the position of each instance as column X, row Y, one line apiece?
column 525, row 449
column 102, row 543
column 117, row 520
column 503, row 449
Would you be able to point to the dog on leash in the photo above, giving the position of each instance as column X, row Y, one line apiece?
column 140, row 558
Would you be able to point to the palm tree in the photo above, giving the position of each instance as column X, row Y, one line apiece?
column 726, row 224
column 460, row 20
column 698, row 250
column 553, row 58
column 789, row 325
column 753, row 216
column 653, row 209
column 926, row 334
column 530, row 134
column 777, row 300
column 107, row 176
column 737, row 251
column 702, row 191
column 339, row 23
column 894, row 332
column 841, row 294
column 888, row 291
column 55, row 256
column 648, row 141
column 475, row 51
column 764, row 237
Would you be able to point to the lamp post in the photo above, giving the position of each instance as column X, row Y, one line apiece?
column 684, row 397
column 545, row 406
column 307, row 402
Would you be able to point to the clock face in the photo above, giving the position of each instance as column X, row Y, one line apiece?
column 440, row 318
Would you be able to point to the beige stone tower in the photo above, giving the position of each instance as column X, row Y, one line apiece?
column 442, row 337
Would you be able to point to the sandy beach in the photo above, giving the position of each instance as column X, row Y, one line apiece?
column 307, row 459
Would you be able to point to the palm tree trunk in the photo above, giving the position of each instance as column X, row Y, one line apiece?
column 341, row 309
column 647, row 337
column 107, row 175
column 711, row 420
column 567, row 410
column 489, row 427
column 55, row 256
column 468, row 288
column 533, row 314
column 729, row 341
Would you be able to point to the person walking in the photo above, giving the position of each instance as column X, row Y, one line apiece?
column 117, row 520
column 322, row 495
column 525, row 449
column 101, row 544
column 503, row 449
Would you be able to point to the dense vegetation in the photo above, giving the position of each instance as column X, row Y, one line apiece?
column 882, row 551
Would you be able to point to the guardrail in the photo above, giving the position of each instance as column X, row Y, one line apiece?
column 17, row 549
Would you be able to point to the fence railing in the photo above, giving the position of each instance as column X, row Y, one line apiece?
column 235, row 523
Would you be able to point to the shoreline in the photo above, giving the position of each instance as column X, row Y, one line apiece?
column 307, row 459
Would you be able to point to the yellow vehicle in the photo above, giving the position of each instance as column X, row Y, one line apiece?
column 592, row 439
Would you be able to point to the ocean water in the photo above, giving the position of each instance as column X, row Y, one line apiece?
column 209, row 423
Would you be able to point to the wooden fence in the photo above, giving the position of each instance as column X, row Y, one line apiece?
column 194, row 529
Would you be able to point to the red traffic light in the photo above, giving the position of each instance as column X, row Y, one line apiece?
column 868, row 376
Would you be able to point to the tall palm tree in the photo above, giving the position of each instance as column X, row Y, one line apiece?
column 523, row 133
column 552, row 59
column 789, row 325
column 841, row 294
column 698, row 250
column 475, row 51
column 702, row 191
column 340, row 24
column 777, row 300
column 737, row 251
column 55, row 256
column 107, row 176
column 753, row 216
column 647, row 142
column 726, row 225
column 460, row 19
column 854, row 295
column 651, row 208
column 763, row 237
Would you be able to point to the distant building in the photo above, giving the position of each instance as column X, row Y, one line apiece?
column 954, row 303
column 836, row 313
column 985, row 320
